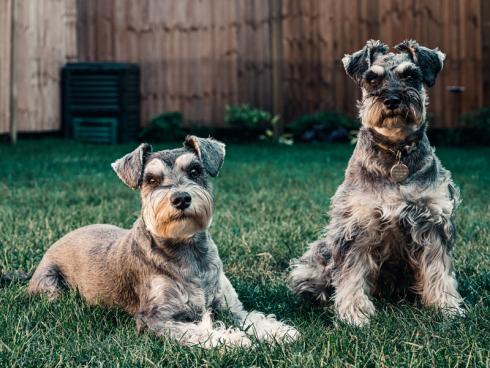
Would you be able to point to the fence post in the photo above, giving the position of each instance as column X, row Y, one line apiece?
column 12, row 94
column 276, row 51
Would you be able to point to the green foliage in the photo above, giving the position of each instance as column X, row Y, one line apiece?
column 473, row 129
column 245, row 116
column 270, row 203
column 253, row 123
column 166, row 127
column 320, row 123
column 478, row 122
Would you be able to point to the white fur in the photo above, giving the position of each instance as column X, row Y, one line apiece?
column 263, row 327
column 378, row 69
column 404, row 66
column 268, row 328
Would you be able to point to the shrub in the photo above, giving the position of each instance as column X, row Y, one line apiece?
column 477, row 126
column 248, row 117
column 474, row 129
column 166, row 127
column 326, row 126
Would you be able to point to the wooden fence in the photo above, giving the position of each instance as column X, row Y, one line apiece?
column 197, row 56
column 36, row 38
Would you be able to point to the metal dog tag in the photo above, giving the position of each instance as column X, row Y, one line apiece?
column 399, row 172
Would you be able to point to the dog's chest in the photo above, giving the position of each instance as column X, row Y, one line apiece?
column 386, row 214
column 206, row 280
column 200, row 278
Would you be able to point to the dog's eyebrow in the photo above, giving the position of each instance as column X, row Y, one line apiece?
column 155, row 167
column 185, row 160
column 377, row 69
column 404, row 66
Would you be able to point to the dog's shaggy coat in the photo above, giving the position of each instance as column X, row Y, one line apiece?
column 166, row 270
column 384, row 235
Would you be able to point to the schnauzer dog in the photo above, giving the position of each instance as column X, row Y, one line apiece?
column 390, row 220
column 166, row 270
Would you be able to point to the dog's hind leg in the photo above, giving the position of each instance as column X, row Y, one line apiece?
column 47, row 280
column 310, row 274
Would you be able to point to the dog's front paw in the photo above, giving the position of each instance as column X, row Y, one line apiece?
column 452, row 307
column 269, row 329
column 229, row 337
column 357, row 312
column 450, row 304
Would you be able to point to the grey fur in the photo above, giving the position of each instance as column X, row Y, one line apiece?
column 384, row 235
column 130, row 167
column 165, row 270
column 210, row 151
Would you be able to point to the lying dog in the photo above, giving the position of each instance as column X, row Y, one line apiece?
column 166, row 270
column 390, row 220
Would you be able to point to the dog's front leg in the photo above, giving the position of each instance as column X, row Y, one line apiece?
column 436, row 281
column 167, row 310
column 263, row 327
column 352, row 288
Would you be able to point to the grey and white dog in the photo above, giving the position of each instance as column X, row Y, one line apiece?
column 390, row 220
column 166, row 270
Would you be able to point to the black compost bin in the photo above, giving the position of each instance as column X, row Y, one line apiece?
column 101, row 101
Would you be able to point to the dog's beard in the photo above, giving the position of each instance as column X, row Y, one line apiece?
column 377, row 115
column 165, row 221
column 396, row 123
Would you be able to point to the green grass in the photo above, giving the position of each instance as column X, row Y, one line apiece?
column 270, row 202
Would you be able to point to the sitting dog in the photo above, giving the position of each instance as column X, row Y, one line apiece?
column 166, row 270
column 390, row 220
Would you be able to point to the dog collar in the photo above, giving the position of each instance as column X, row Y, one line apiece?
column 399, row 171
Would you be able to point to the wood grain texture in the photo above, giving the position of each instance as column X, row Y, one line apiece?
column 197, row 56
column 455, row 26
column 5, row 64
column 485, row 39
column 44, row 38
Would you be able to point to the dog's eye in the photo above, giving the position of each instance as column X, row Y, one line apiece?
column 410, row 75
column 194, row 172
column 152, row 180
column 371, row 78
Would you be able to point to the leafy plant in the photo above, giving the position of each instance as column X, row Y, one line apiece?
column 323, row 126
column 248, row 117
column 285, row 138
column 477, row 126
column 255, row 123
column 165, row 127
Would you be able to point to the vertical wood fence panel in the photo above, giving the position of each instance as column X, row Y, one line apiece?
column 452, row 25
column 197, row 56
column 485, row 34
column 5, row 69
column 44, row 38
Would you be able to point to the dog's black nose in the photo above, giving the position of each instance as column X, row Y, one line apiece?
column 181, row 200
column 392, row 102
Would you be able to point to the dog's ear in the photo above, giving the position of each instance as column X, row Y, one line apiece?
column 210, row 151
column 129, row 168
column 356, row 64
column 430, row 61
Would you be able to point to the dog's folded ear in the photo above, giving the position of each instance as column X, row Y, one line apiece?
column 355, row 65
column 430, row 61
column 210, row 151
column 129, row 168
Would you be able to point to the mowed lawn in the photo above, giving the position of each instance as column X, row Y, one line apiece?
column 271, row 201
